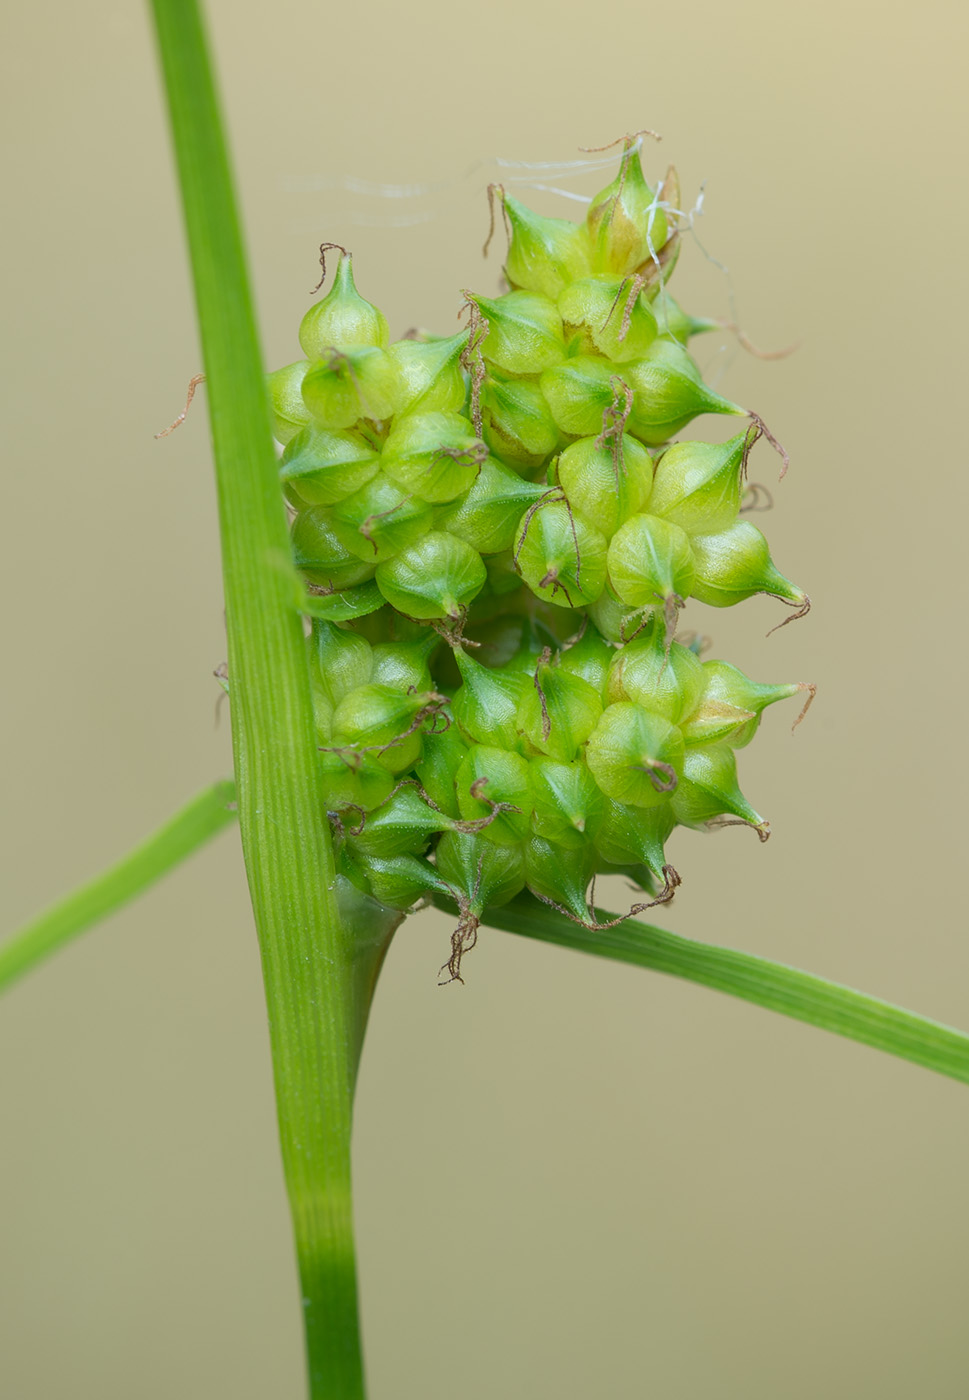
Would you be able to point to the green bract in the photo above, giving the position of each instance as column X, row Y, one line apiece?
column 498, row 536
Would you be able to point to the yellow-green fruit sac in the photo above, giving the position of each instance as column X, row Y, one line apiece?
column 487, row 516
column 437, row 577
column 580, row 391
column 524, row 332
column 435, row 455
column 665, row 678
column 590, row 657
column 485, row 874
column 606, row 482
column 734, row 565
column 544, row 255
column 611, row 316
column 346, row 385
column 650, row 561
column 560, row 876
column 487, row 776
column 561, row 558
column 708, row 789
column 354, row 780
column 398, row 882
column 343, row 319
column 443, row 752
column 558, row 712
column 567, row 804
column 635, row 756
column 290, row 414
column 430, row 377
column 516, row 422
column 349, row 604
column 634, row 836
column 404, row 665
column 340, row 660
column 380, row 519
column 381, row 723
column 320, row 467
column 668, row 393
column 699, row 485
column 626, row 225
column 321, row 555
column 730, row 705
column 402, row 825
column 486, row 706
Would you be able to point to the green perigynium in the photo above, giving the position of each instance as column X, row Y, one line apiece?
column 498, row 535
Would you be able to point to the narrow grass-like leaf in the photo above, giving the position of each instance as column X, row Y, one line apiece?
column 800, row 995
column 190, row 828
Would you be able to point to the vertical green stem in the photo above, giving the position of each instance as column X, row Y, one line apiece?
column 307, row 954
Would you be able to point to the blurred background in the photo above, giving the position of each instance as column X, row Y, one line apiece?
column 573, row 1179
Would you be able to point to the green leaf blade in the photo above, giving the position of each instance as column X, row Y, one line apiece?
column 774, row 986
column 197, row 822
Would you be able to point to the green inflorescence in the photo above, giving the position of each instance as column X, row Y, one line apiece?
column 497, row 535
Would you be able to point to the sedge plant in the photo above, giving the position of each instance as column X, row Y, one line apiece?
column 458, row 671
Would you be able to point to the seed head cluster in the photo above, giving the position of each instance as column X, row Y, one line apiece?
column 498, row 533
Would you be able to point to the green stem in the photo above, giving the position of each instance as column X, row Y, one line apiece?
column 800, row 995
column 310, row 960
column 190, row 828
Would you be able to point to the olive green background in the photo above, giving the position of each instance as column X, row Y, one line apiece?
column 573, row 1180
